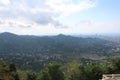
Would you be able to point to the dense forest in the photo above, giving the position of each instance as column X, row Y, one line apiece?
column 56, row 71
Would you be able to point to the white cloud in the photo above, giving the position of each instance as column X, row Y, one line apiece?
column 5, row 2
column 68, row 7
column 34, row 9
column 43, row 16
column 23, row 26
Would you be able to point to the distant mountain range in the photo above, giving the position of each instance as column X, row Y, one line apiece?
column 60, row 44
column 33, row 52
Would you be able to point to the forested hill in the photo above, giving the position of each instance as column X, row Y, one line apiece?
column 60, row 44
column 26, row 51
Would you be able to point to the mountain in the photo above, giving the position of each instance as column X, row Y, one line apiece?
column 26, row 51
column 12, row 43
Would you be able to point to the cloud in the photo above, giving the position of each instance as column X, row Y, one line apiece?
column 43, row 12
column 23, row 26
column 68, row 7
column 39, row 16
column 4, row 2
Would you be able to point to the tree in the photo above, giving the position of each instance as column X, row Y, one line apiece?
column 52, row 72
column 78, row 75
column 44, row 75
column 31, row 76
column 93, row 71
column 116, row 65
column 13, row 71
column 12, row 67
column 74, row 71
column 16, row 77
column 113, row 67
column 108, row 69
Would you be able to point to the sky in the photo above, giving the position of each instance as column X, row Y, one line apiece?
column 51, row 17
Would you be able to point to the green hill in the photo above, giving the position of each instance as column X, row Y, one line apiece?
column 27, row 51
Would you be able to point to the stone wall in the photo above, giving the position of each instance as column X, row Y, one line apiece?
column 111, row 77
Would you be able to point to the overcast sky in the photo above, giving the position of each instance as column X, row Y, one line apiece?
column 49, row 17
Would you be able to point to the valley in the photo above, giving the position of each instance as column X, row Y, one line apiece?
column 26, row 51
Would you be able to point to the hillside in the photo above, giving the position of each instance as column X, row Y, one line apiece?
column 11, row 43
column 37, row 51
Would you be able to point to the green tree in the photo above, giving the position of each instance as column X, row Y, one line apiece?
column 116, row 65
column 78, row 75
column 44, row 75
column 12, row 67
column 113, row 67
column 31, row 76
column 52, row 72
column 108, row 69
column 93, row 71
column 3, row 63
column 74, row 71
column 13, row 71
column 16, row 76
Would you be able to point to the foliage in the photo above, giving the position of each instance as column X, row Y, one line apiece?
column 3, row 63
column 113, row 67
column 8, row 71
column 52, row 72
column 44, row 75
column 31, row 76
column 74, row 71
column 77, row 71
column 12, row 67
column 55, row 71
column 93, row 71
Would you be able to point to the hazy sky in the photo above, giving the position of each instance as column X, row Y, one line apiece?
column 48, row 17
